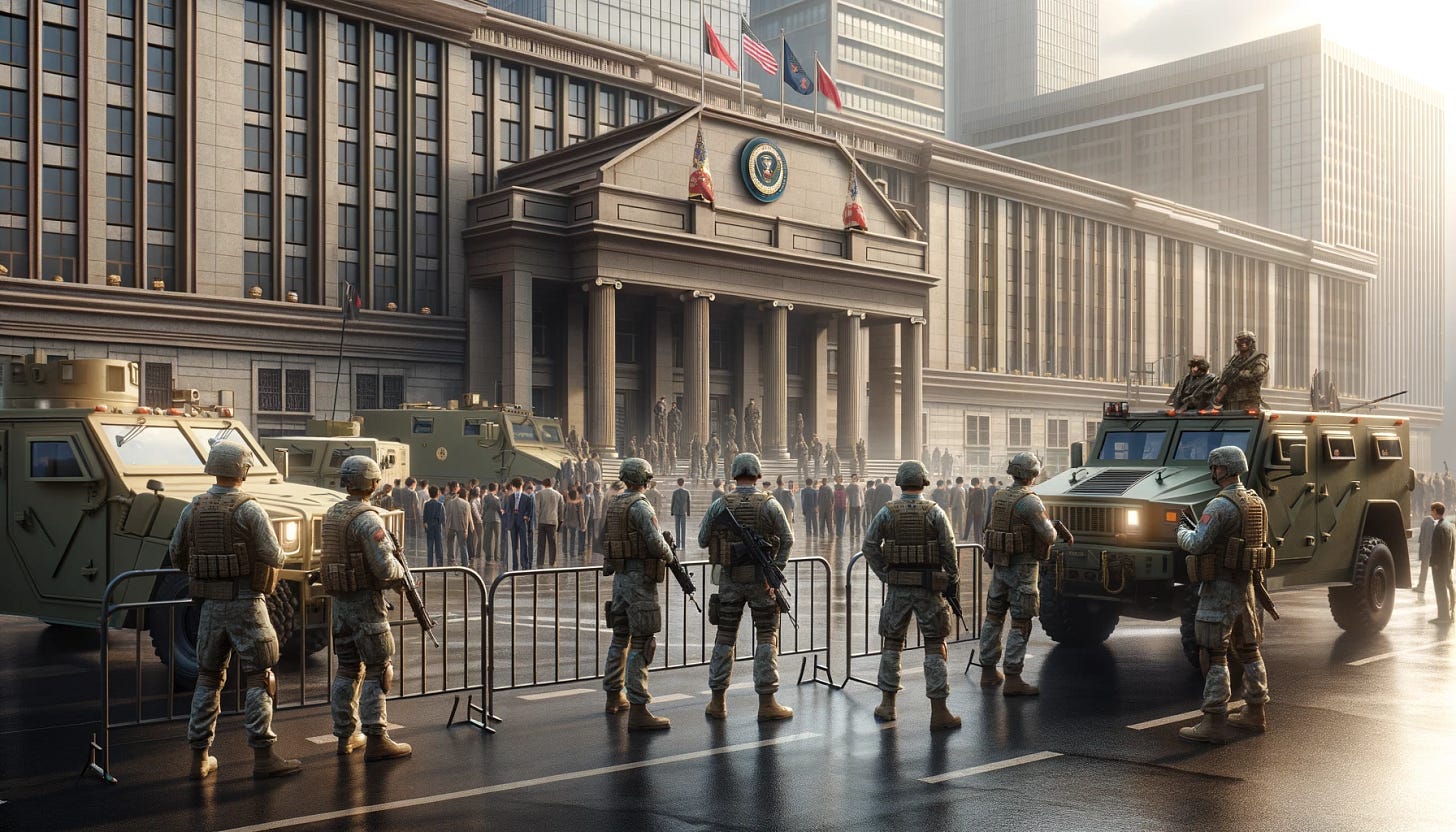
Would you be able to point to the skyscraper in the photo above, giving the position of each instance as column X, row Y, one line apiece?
column 670, row 29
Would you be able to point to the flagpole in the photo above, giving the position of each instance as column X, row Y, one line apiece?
column 782, row 41
column 703, row 64
column 817, row 91
column 348, row 290
column 741, row 65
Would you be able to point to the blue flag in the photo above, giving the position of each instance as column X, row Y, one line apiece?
column 794, row 74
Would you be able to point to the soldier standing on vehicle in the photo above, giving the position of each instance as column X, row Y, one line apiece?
column 225, row 544
column 1018, row 538
column 634, row 552
column 1195, row 391
column 1227, row 550
column 910, row 547
column 741, row 581
column 1242, row 380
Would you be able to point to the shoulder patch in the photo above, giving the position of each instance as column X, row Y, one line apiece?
column 1205, row 518
column 380, row 534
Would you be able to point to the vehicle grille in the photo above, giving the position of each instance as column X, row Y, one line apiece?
column 317, row 540
column 1110, row 483
column 1084, row 519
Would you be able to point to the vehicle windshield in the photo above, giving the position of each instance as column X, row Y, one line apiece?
column 551, row 434
column 1194, row 445
column 524, row 432
column 206, row 435
column 1139, row 445
column 151, row 446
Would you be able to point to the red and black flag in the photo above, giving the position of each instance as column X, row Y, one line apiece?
column 350, row 302
column 715, row 47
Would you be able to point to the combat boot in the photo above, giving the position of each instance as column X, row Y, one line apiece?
column 266, row 763
column 1250, row 718
column 1016, row 687
column 990, row 676
column 381, row 747
column 1212, row 729
column 769, row 710
column 617, row 702
column 941, row 719
column 641, row 719
column 348, row 745
column 886, row 711
column 717, row 708
column 203, row 764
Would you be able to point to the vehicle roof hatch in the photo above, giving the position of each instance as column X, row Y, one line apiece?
column 1114, row 482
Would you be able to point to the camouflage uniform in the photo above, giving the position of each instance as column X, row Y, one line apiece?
column 1195, row 391
column 233, row 617
column 1017, row 540
column 635, row 554
column 741, row 582
column 1243, row 376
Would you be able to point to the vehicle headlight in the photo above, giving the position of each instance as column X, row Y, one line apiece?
column 1134, row 518
column 288, row 535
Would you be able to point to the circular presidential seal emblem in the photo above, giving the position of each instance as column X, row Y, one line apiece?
column 765, row 173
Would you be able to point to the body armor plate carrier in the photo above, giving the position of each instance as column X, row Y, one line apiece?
column 624, row 547
column 344, row 564
column 725, row 549
column 1241, row 553
column 220, row 561
column 911, row 548
column 1008, row 535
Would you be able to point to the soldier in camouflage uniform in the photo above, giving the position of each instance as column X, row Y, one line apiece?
column 740, row 581
column 1018, row 538
column 1195, row 391
column 635, row 553
column 224, row 542
column 910, row 546
column 358, row 564
column 1226, row 551
column 1242, row 381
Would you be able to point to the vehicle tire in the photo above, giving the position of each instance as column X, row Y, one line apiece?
column 1364, row 607
column 175, row 645
column 283, row 613
column 1075, row 622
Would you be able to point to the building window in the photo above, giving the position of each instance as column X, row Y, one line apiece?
column 348, row 163
column 297, row 150
column 609, row 109
column 295, row 277
column 1089, row 431
column 477, row 134
column 157, row 384
column 427, row 174
column 366, row 391
column 386, row 232
column 58, row 49
column 348, row 104
column 120, row 60
column 258, row 271
column 161, row 138
column 385, row 50
column 161, row 71
column 349, row 42
column 427, row 234
column 578, row 112
column 296, row 97
column 385, row 169
column 58, row 256
column 427, row 118
column 349, row 273
column 119, row 131
column 13, row 111
column 13, row 191
column 13, row 244
column 119, row 199
column 510, row 113
column 386, row 110
column 284, row 390
column 161, row 12
column 257, row 148
column 121, row 261
column 257, row 215
column 296, row 221
column 257, row 22
column 257, row 87
column 59, row 188
column 427, row 60
column 121, row 8
column 386, row 285
column 637, row 109
column 59, row 121
column 543, row 101
column 161, row 206
column 270, row 390
column 296, row 22
column 162, row 266
column 1057, row 434
column 349, row 227
column 1018, row 431
column 978, row 431
column 12, row 41
column 391, row 391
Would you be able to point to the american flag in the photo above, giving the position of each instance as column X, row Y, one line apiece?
column 754, row 48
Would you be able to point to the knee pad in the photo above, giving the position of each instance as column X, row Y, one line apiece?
column 1217, row 657
column 265, row 681
column 726, row 637
column 892, row 645
column 935, row 645
column 383, row 674
column 1022, row 625
column 996, row 608
column 649, row 649
column 350, row 673
column 1247, row 654
column 996, row 616
column 212, row 679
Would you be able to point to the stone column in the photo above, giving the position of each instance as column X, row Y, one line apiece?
column 515, row 335
column 695, row 365
column 601, row 381
column 848, row 425
column 884, row 405
column 912, row 386
column 776, row 379
column 816, row 381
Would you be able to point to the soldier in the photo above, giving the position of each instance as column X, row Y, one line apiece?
column 1195, row 391
column 695, row 458
column 711, row 453
column 659, row 418
column 730, row 426
column 799, row 418
column 1242, row 380
column 801, row 454
column 573, row 442
column 1233, row 528
column 730, row 450
column 635, row 553
column 1018, row 538
column 632, row 446
column 742, row 581
column 358, row 563
column 911, row 548
column 861, row 458
column 752, row 426
column 674, row 429
column 831, row 461
column 816, row 453
column 225, row 543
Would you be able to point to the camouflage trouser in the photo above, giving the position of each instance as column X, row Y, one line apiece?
column 932, row 613
column 1013, row 588
column 364, row 644
column 225, row 627
column 1228, row 620
column 635, row 619
column 730, row 598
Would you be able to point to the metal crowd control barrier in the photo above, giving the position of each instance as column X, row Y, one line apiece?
column 146, row 693
column 557, row 632
column 864, row 596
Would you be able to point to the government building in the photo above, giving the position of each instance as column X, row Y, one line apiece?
column 200, row 188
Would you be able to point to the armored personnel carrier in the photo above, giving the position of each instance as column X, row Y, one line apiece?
column 92, row 486
column 475, row 439
column 1337, row 487
column 315, row 457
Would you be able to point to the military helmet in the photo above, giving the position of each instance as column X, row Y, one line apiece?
column 912, row 475
column 1200, row 362
column 746, row 465
column 1024, row 466
column 1244, row 333
column 228, row 459
column 359, row 473
column 635, row 471
column 1230, row 457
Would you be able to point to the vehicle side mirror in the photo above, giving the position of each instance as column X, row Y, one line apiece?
column 1299, row 460
column 1079, row 454
column 280, row 459
column 155, row 486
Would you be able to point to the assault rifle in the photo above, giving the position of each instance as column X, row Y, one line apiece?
column 680, row 572
column 952, row 595
column 411, row 595
column 757, row 549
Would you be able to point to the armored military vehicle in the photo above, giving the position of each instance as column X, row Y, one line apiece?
column 315, row 457
column 1337, row 487
column 92, row 486
column 473, row 439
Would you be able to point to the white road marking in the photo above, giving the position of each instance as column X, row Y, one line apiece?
column 989, row 767
column 359, row 811
column 672, row 697
column 330, row 739
column 734, row 686
column 1392, row 654
column 555, row 694
column 1183, row 717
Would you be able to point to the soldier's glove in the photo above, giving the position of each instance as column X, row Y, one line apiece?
column 1186, row 521
column 1064, row 532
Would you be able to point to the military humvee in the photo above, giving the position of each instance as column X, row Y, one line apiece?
column 92, row 486
column 487, row 442
column 314, row 458
column 1337, row 487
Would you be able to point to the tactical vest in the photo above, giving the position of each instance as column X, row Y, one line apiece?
column 345, row 567
column 1242, row 391
column 624, row 548
column 911, row 547
column 1008, row 536
column 1245, row 551
column 220, row 560
column 727, row 549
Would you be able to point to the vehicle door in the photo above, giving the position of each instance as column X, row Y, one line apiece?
column 1340, row 468
column 1292, row 500
column 488, row 431
column 56, row 518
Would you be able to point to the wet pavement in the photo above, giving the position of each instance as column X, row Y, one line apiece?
column 1360, row 739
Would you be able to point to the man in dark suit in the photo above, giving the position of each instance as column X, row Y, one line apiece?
column 809, row 502
column 682, row 507
column 520, row 511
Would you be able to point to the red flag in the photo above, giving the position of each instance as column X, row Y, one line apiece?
column 714, row 47
column 826, row 86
